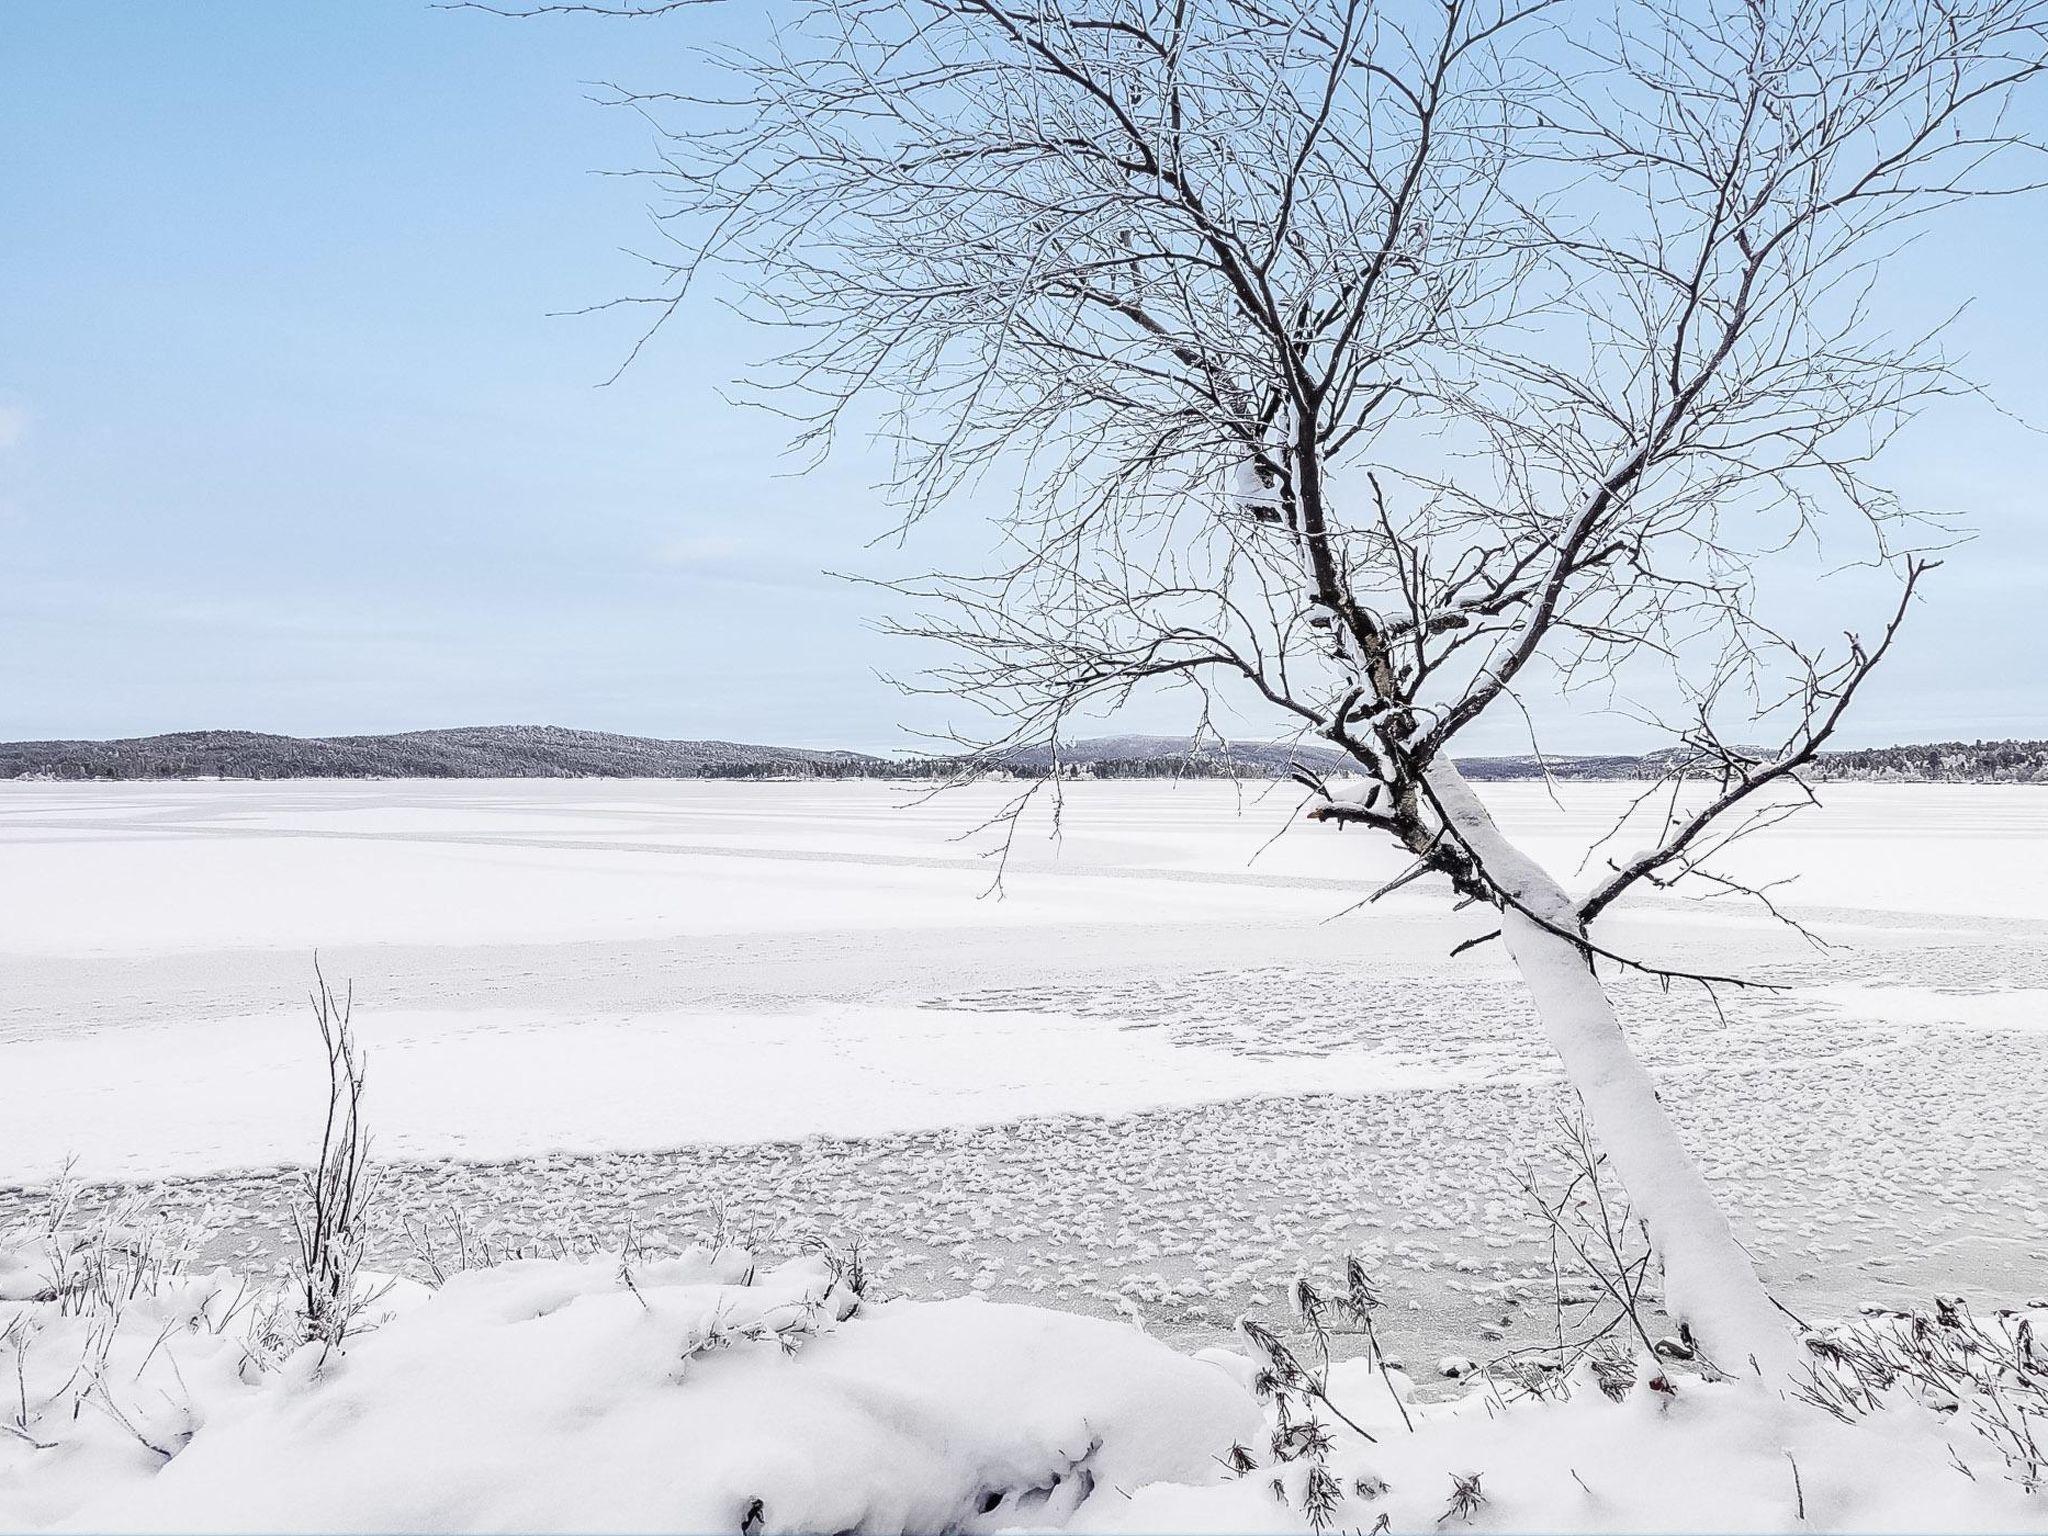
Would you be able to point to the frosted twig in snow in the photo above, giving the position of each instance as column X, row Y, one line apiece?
column 329, row 1216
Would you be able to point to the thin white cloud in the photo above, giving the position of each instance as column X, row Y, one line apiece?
column 13, row 426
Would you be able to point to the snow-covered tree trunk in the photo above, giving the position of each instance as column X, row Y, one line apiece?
column 1710, row 1283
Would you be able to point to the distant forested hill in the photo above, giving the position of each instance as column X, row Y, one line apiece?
column 478, row 752
column 525, row 752
column 549, row 752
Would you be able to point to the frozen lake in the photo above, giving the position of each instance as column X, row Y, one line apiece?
column 1165, row 1069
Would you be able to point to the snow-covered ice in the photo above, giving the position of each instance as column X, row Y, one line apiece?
column 1164, row 1072
column 589, row 968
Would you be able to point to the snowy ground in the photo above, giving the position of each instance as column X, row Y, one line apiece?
column 1163, row 1072
column 697, row 1390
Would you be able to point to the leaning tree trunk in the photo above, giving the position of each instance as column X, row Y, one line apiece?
column 1710, row 1284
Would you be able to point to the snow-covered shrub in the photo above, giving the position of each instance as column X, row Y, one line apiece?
column 1717, row 1455
column 1994, row 1376
column 445, row 1241
column 1923, row 1412
column 109, row 1354
column 1601, row 1250
column 1301, row 1405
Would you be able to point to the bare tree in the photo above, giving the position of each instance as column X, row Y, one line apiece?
column 1380, row 361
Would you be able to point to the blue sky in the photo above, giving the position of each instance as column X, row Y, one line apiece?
column 288, row 440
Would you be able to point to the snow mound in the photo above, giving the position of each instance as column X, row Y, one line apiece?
column 689, row 1394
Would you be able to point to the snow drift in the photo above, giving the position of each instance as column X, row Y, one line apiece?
column 690, row 1393
column 699, row 1392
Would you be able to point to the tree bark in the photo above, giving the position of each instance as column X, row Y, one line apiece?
column 1710, row 1283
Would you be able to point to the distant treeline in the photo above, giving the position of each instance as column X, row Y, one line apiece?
column 535, row 752
column 772, row 768
column 1181, row 765
column 1949, row 762
column 1943, row 762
